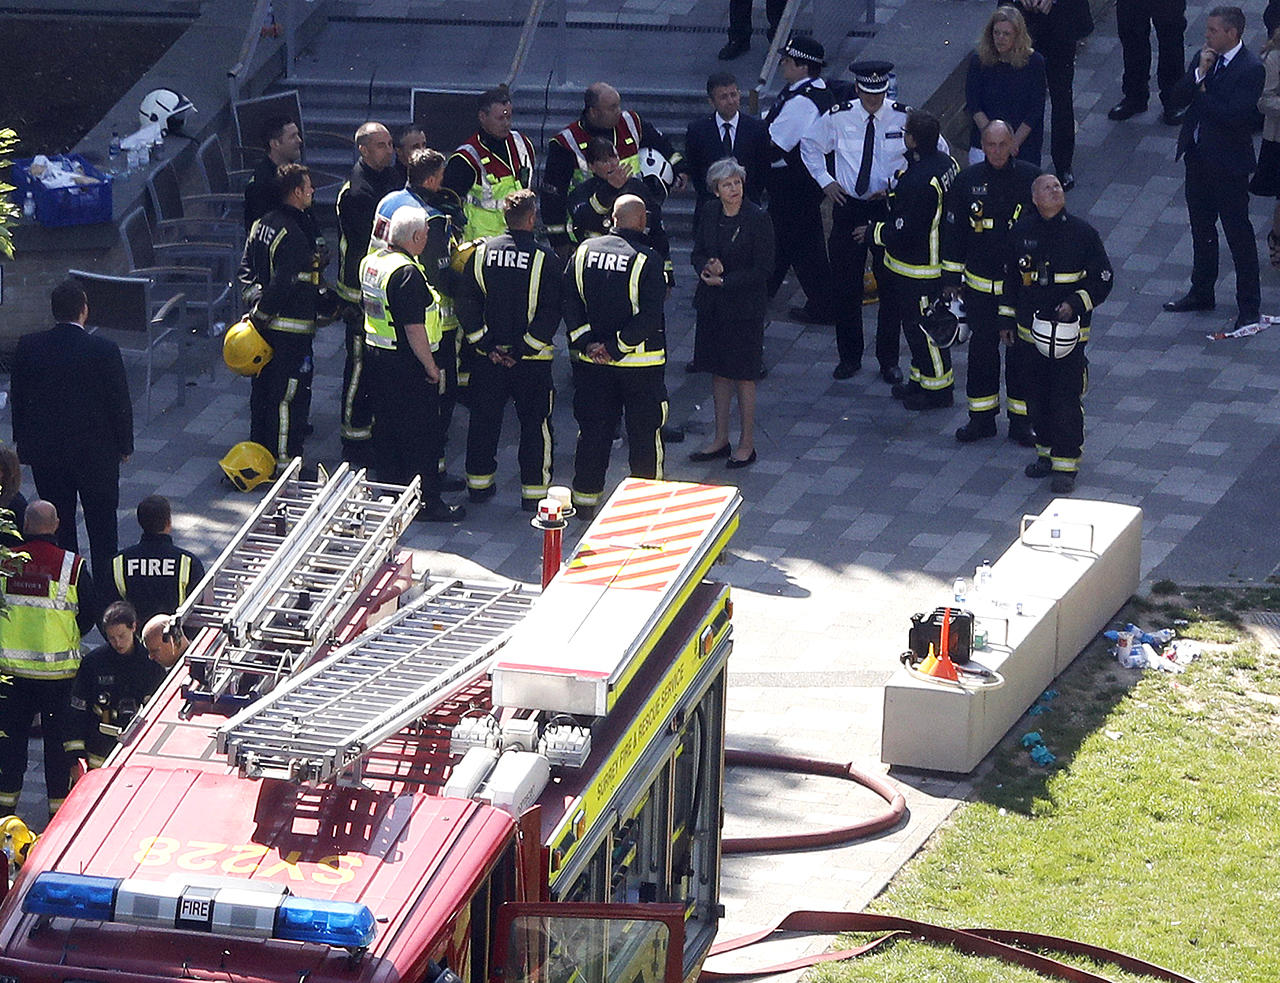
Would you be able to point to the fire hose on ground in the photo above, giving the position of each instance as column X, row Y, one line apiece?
column 1020, row 948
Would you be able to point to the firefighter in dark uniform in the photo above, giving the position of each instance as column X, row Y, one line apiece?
column 111, row 686
column 154, row 575
column 372, row 178
column 1057, row 270
column 794, row 197
column 591, row 204
column 910, row 237
column 866, row 138
column 509, row 306
column 613, row 297
column 282, row 141
column 49, row 607
column 490, row 164
column 402, row 327
column 280, row 274
column 984, row 203
column 566, row 168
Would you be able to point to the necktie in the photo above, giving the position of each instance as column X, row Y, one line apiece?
column 868, row 151
column 728, row 140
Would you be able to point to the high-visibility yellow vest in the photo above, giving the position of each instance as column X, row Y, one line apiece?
column 483, row 203
column 39, row 639
column 375, row 272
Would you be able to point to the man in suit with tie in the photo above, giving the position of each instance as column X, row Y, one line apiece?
column 73, row 422
column 727, row 132
column 1220, row 91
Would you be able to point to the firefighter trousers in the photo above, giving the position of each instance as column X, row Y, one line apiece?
column 280, row 396
column 23, row 699
column 446, row 355
column 406, row 421
column 982, row 384
column 930, row 365
column 528, row 384
column 1055, row 394
column 602, row 395
column 356, row 427
column 848, row 265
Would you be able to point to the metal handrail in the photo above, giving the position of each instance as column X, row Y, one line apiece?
column 526, row 40
column 252, row 35
column 785, row 23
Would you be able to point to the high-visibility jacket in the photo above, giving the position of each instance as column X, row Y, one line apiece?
column 496, row 178
column 154, row 575
column 510, row 296
column 40, row 637
column 912, row 234
column 376, row 271
column 281, row 264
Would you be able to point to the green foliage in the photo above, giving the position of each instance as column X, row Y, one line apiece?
column 10, row 211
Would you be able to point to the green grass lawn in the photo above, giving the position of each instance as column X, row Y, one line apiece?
column 1156, row 832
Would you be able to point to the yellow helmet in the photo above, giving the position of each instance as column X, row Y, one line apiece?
column 247, row 465
column 463, row 253
column 244, row 350
column 20, row 837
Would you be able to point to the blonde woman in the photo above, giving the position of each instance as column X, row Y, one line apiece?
column 1006, row 81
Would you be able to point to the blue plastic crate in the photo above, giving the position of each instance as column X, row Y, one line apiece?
column 82, row 205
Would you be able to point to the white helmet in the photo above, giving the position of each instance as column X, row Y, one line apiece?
column 962, row 321
column 656, row 170
column 940, row 323
column 164, row 106
column 1054, row 338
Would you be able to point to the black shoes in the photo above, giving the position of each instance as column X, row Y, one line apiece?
column 1173, row 117
column 479, row 495
column 802, row 315
column 1126, row 108
column 673, row 435
column 451, row 483
column 734, row 463
column 1189, row 302
column 698, row 457
column 733, row 50
column 845, row 370
column 529, row 504
column 1020, row 433
column 975, row 430
column 1067, row 180
column 891, row 374
column 1041, row 467
column 900, row 390
column 1064, row 483
column 1244, row 320
column 920, row 400
column 438, row 511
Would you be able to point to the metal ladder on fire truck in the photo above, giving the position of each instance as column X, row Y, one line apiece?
column 319, row 725
column 280, row 587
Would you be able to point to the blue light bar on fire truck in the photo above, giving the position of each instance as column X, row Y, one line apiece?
column 257, row 912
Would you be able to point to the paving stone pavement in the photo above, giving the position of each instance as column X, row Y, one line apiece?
column 859, row 513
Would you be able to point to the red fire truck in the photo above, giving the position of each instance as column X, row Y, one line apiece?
column 359, row 774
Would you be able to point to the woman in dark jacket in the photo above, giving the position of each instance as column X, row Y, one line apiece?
column 1006, row 81
column 733, row 254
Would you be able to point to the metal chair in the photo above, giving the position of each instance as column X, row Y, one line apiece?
column 205, row 272
column 213, row 168
column 131, row 308
column 173, row 224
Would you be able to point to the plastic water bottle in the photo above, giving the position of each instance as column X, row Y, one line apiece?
column 982, row 578
column 1055, row 531
column 960, row 590
column 113, row 151
column 29, row 207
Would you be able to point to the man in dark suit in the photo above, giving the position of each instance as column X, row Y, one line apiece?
column 1220, row 91
column 73, row 422
column 727, row 132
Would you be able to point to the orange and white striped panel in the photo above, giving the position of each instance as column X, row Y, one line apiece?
column 646, row 532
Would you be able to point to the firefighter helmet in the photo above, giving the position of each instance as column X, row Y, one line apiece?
column 166, row 107
column 962, row 328
column 247, row 465
column 1054, row 338
column 458, row 261
column 940, row 324
column 245, row 350
column 656, row 172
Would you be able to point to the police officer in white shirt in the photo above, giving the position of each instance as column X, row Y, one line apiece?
column 865, row 135
column 794, row 200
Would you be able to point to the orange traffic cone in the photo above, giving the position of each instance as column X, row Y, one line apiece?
column 929, row 662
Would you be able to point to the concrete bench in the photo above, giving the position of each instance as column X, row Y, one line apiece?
column 1069, row 586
